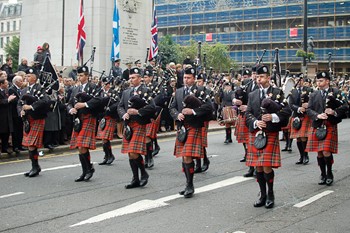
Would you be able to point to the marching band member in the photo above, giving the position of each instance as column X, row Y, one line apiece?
column 192, row 119
column 301, row 122
column 82, row 104
column 326, row 109
column 136, row 117
column 265, row 155
column 226, row 96
column 35, row 112
column 108, row 122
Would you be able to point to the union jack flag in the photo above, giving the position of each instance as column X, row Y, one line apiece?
column 153, row 52
column 81, row 38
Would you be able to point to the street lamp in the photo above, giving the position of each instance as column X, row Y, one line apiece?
column 305, row 34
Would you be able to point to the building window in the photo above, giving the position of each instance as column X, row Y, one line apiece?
column 2, row 42
column 14, row 25
column 7, row 39
column 1, row 59
column 2, row 27
column 8, row 26
column 20, row 24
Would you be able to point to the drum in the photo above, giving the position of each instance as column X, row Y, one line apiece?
column 229, row 114
column 288, row 86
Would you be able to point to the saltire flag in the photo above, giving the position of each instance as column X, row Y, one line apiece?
column 81, row 38
column 153, row 52
column 115, row 53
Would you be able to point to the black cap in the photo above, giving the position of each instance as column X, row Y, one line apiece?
column 148, row 72
column 201, row 76
column 323, row 74
column 117, row 60
column 262, row 70
column 152, row 59
column 31, row 70
column 83, row 69
column 137, row 62
column 190, row 70
column 307, row 80
column 246, row 72
column 254, row 69
column 135, row 70
column 300, row 75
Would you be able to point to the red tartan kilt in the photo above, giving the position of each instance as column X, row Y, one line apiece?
column 193, row 147
column 108, row 132
column 303, row 132
column 267, row 157
column 330, row 143
column 205, row 133
column 152, row 128
column 288, row 127
column 137, row 144
column 36, row 133
column 241, row 131
column 86, row 137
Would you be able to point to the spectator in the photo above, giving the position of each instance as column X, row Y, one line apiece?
column 73, row 74
column 24, row 65
column 39, row 56
column 7, row 67
column 117, row 71
column 46, row 50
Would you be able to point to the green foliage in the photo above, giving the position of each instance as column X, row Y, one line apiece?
column 217, row 55
column 169, row 49
column 302, row 53
column 12, row 50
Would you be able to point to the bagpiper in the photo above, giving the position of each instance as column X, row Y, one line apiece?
column 190, row 121
column 136, row 109
column 326, row 108
column 83, row 104
column 33, row 109
column 264, row 116
column 301, row 122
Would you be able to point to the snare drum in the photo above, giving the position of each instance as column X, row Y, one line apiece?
column 229, row 114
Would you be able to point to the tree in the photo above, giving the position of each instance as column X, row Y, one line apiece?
column 12, row 50
column 217, row 55
column 169, row 50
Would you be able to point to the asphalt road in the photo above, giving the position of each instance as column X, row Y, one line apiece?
column 223, row 202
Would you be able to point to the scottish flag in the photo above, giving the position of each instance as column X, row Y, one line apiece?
column 115, row 53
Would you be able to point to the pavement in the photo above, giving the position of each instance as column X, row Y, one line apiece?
column 213, row 126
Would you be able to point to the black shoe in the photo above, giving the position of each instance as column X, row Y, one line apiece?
column 89, row 173
column 80, row 178
column 54, row 145
column 22, row 149
column 289, row 149
column 133, row 184
column 182, row 192
column 156, row 151
column 250, row 172
column 243, row 160
column 7, row 151
column 329, row 179
column 270, row 201
column 104, row 161
column 36, row 170
column 260, row 202
column 110, row 159
column 198, row 168
column 205, row 166
column 27, row 173
column 300, row 161
column 50, row 147
column 189, row 191
column 228, row 141
column 16, row 150
column 144, row 180
column 322, row 180
column 285, row 149
column 306, row 159
column 150, row 163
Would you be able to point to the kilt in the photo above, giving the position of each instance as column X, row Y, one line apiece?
column 330, row 143
column 289, row 126
column 267, row 157
column 109, row 129
column 205, row 133
column 36, row 133
column 137, row 143
column 152, row 128
column 86, row 137
column 241, row 131
column 193, row 147
column 304, row 131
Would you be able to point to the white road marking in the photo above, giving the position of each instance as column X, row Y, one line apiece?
column 213, row 156
column 43, row 170
column 312, row 199
column 11, row 195
column 239, row 232
column 152, row 204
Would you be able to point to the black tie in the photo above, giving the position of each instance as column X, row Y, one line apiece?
column 263, row 95
column 325, row 94
column 186, row 91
